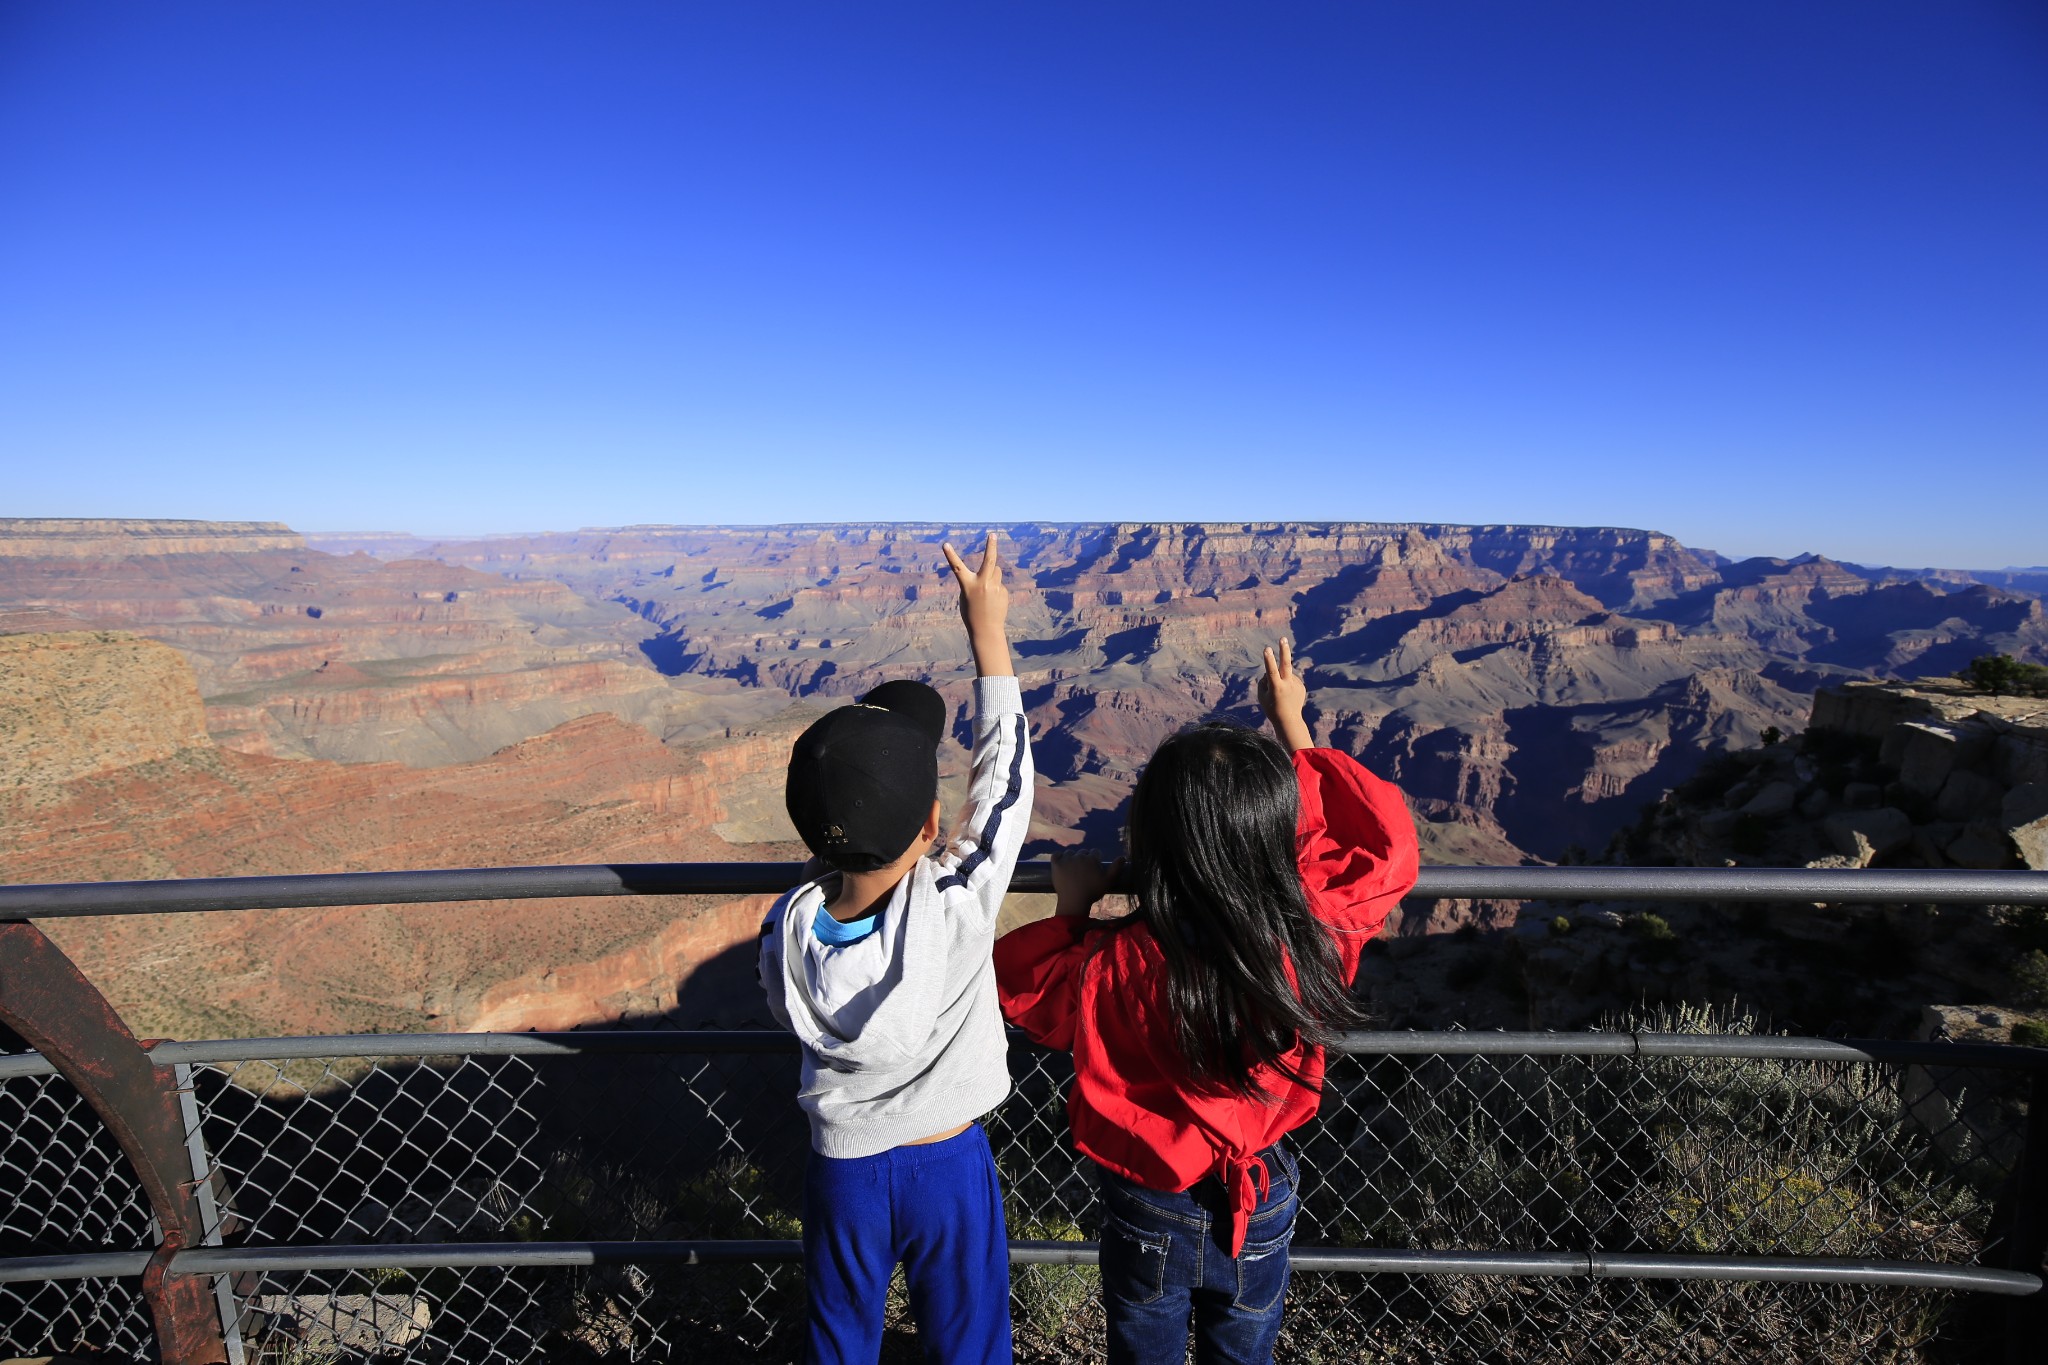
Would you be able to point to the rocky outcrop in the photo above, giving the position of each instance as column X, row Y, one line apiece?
column 675, row 974
column 147, row 796
column 80, row 703
column 1927, row 774
column 118, row 538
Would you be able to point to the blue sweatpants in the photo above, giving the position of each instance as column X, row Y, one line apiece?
column 937, row 1209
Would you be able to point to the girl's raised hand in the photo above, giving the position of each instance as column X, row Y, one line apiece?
column 1080, row 878
column 1283, row 696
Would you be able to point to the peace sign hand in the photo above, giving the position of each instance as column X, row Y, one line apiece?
column 1283, row 696
column 984, row 606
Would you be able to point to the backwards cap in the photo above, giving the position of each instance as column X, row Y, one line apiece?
column 862, row 778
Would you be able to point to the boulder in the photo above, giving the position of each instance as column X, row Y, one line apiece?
column 1924, row 849
column 2021, row 755
column 1862, row 796
column 1773, row 802
column 1923, row 754
column 1717, row 824
column 1815, row 804
column 1980, row 846
column 1966, row 1119
column 2024, row 816
column 1866, row 834
column 1865, row 709
column 1968, row 796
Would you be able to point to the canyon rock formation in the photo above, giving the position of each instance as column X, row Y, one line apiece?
column 76, row 704
column 144, row 794
column 1531, row 687
column 301, row 654
column 218, row 698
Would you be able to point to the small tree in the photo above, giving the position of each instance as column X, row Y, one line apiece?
column 2002, row 675
column 2030, row 978
column 1771, row 735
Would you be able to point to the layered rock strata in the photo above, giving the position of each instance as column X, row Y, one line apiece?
column 136, row 791
column 1530, row 687
column 302, row 654
column 1929, row 774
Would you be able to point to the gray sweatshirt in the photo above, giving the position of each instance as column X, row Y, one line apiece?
column 902, row 1033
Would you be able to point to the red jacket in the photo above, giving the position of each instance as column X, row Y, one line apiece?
column 1100, row 993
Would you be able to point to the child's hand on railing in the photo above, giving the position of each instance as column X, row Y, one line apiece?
column 1282, row 696
column 1080, row 878
column 984, row 606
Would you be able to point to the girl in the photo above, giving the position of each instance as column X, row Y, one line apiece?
column 1197, row 1022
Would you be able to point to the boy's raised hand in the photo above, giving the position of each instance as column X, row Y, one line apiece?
column 1283, row 696
column 984, row 606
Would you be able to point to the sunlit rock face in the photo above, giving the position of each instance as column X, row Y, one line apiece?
column 213, row 699
column 1531, row 687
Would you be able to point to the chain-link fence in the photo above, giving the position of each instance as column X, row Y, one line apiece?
column 64, row 1183
column 403, row 1166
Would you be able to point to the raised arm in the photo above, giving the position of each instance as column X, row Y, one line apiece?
column 998, row 814
column 985, row 607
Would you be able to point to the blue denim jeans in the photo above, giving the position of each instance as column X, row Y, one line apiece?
column 1166, row 1258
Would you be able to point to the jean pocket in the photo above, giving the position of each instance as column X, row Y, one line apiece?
column 1133, row 1261
column 1262, row 1268
column 1290, row 1167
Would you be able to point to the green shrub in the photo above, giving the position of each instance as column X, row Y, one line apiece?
column 1560, row 926
column 2030, row 1033
column 1654, row 929
column 1773, row 1210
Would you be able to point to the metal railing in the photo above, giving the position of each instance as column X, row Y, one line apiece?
column 636, row 1195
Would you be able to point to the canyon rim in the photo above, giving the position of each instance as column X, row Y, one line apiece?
column 197, row 698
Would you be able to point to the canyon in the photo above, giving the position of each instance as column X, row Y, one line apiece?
column 594, row 789
column 193, row 699
column 1530, row 687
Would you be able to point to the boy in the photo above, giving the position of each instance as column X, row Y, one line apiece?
column 882, row 969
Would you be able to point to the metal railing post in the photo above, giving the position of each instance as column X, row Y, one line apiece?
column 211, row 1223
column 48, row 1001
column 2026, row 1320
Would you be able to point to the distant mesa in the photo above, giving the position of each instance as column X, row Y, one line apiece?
column 110, row 537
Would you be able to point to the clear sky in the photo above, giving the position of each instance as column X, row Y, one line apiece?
column 1769, row 276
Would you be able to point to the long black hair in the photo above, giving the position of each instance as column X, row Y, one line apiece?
column 1212, row 849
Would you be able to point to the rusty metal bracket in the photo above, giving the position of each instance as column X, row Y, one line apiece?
column 48, row 1001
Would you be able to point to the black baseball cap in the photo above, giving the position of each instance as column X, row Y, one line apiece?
column 862, row 779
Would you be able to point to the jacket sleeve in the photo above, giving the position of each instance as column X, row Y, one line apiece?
column 1356, row 843
column 769, row 970
column 1038, row 977
column 983, row 852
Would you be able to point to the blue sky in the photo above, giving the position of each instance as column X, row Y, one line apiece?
column 1767, row 276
